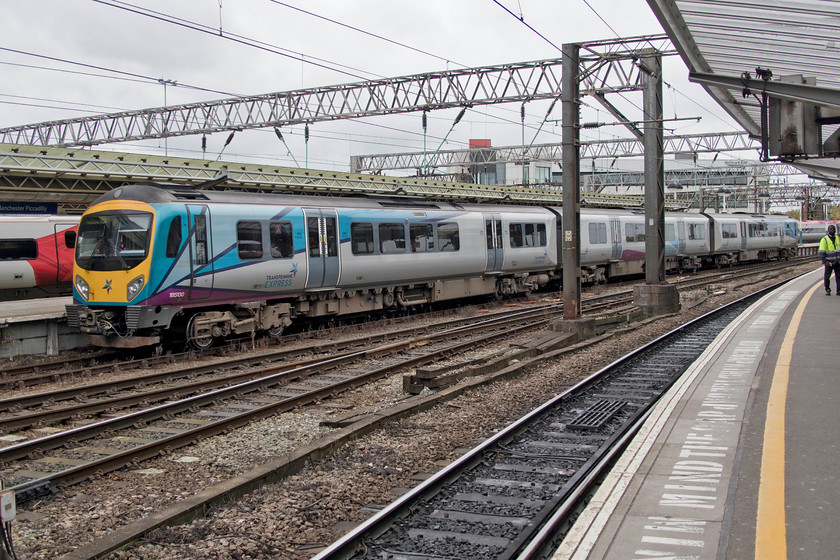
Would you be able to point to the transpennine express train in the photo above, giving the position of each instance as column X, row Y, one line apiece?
column 36, row 255
column 155, row 262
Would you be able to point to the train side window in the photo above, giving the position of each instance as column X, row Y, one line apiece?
column 758, row 230
column 542, row 239
column 173, row 238
column 332, row 237
column 18, row 249
column 696, row 231
column 634, row 233
column 489, row 228
column 361, row 238
column 597, row 233
column 515, row 231
column 70, row 239
column 530, row 235
column 391, row 238
column 249, row 240
column 729, row 231
column 448, row 237
column 422, row 238
column 280, row 240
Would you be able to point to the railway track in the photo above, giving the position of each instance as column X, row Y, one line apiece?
column 79, row 402
column 88, row 366
column 290, row 462
column 24, row 463
column 105, row 362
column 97, row 445
column 514, row 495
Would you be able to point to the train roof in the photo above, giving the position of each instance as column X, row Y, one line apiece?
column 154, row 193
column 58, row 218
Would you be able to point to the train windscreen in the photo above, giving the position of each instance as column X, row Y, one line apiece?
column 113, row 240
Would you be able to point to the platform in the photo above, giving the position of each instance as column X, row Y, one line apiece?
column 37, row 327
column 740, row 459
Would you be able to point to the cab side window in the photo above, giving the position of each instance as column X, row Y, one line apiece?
column 173, row 238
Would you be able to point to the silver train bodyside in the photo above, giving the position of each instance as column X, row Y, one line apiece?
column 812, row 231
column 259, row 262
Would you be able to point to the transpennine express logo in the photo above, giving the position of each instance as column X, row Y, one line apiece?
column 107, row 287
column 279, row 280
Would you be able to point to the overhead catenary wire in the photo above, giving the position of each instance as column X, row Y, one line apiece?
column 336, row 67
column 669, row 86
column 178, row 83
column 362, row 31
column 219, row 31
column 120, row 74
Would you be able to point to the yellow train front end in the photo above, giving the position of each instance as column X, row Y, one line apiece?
column 111, row 269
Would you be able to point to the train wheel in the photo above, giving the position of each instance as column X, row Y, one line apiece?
column 498, row 295
column 198, row 339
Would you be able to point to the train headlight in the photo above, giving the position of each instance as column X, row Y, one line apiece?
column 82, row 287
column 134, row 287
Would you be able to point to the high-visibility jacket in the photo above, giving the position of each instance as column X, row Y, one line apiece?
column 830, row 249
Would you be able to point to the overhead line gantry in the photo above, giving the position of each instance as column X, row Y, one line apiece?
column 606, row 66
column 602, row 149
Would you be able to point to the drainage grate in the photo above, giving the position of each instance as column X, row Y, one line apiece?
column 597, row 415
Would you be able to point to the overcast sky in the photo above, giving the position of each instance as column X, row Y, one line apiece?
column 98, row 39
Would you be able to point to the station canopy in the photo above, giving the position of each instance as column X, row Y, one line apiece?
column 730, row 45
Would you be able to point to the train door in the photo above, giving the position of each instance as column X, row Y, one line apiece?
column 615, row 229
column 201, row 265
column 63, row 246
column 495, row 247
column 681, row 236
column 743, row 235
column 322, row 247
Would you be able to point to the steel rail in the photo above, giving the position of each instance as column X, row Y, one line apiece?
column 201, row 369
column 535, row 533
column 58, row 367
column 33, row 488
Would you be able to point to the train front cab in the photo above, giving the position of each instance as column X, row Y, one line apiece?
column 111, row 268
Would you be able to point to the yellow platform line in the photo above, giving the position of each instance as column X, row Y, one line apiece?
column 770, row 532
